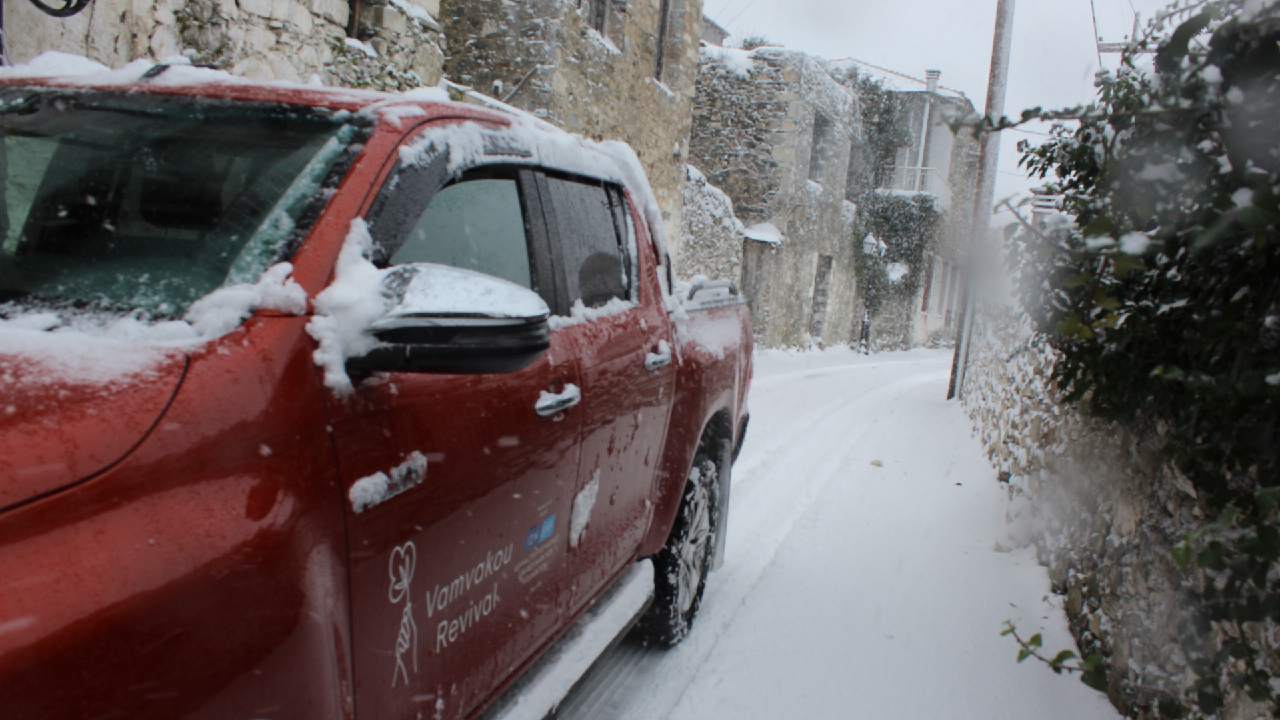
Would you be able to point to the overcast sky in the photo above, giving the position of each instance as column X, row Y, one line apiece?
column 1052, row 63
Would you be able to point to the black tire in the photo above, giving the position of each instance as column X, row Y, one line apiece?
column 680, row 568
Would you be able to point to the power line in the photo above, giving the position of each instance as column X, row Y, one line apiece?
column 720, row 12
column 1094, row 11
column 735, row 17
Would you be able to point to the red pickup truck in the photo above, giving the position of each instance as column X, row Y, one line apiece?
column 328, row 404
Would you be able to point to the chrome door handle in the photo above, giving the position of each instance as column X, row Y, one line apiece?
column 553, row 403
column 656, row 361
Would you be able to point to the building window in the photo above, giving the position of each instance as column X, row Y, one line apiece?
column 946, row 285
column 597, row 15
column 664, row 22
column 821, row 291
column 820, row 154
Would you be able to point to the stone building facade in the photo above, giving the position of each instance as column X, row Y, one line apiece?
column 942, row 165
column 606, row 69
column 773, row 130
column 294, row 40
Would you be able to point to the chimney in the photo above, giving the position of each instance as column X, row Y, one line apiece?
column 932, row 79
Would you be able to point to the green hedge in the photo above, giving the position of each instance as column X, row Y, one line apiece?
column 1164, row 299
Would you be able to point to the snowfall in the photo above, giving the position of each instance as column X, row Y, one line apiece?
column 867, row 571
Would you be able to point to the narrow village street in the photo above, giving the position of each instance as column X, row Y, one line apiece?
column 865, row 575
column 380, row 359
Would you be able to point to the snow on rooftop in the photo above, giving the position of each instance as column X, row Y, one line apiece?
column 765, row 232
column 893, row 79
column 738, row 62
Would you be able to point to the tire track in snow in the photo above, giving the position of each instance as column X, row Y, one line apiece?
column 748, row 465
column 804, row 460
column 885, row 599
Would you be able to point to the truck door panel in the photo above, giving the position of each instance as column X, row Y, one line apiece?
column 458, row 577
column 625, row 405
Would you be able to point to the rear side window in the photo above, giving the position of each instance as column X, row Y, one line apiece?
column 587, row 223
column 477, row 225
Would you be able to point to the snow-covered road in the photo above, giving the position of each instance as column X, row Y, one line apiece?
column 861, row 578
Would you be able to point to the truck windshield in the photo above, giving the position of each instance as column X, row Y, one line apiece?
column 142, row 202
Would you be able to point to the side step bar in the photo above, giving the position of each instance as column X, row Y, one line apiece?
column 536, row 695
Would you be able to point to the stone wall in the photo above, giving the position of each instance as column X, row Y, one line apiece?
column 290, row 40
column 1103, row 508
column 713, row 235
column 893, row 328
column 757, row 117
column 545, row 57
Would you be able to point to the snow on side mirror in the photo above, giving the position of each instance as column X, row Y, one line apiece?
column 449, row 320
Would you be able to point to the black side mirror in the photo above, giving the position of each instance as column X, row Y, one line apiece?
column 449, row 320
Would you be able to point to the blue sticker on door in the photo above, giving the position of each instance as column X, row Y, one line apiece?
column 539, row 533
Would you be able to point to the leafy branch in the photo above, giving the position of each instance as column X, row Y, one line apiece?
column 1093, row 671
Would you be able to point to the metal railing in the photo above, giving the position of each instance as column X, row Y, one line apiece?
column 922, row 179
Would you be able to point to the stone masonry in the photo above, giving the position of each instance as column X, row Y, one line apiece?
column 608, row 70
column 1103, row 507
column 713, row 235
column 290, row 40
column 773, row 130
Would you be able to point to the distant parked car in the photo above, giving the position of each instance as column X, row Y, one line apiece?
column 328, row 404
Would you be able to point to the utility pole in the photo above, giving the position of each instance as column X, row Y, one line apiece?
column 996, row 85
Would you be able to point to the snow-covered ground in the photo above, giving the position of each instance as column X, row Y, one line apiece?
column 865, row 575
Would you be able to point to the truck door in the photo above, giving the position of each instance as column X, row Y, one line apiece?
column 627, row 372
column 457, row 571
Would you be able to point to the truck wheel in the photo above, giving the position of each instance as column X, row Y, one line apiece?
column 680, row 568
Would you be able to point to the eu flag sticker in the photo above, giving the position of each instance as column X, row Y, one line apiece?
column 539, row 533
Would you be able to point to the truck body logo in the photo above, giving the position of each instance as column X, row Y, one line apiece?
column 403, row 561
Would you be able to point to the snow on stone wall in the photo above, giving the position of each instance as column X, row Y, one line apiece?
column 713, row 235
column 408, row 43
column 258, row 39
column 1098, row 500
column 544, row 57
column 758, row 117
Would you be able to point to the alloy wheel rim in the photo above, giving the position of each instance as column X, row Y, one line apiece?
column 693, row 549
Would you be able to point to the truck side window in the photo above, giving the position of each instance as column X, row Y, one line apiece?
column 589, row 229
column 477, row 225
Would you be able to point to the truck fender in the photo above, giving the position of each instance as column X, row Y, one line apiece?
column 715, row 432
